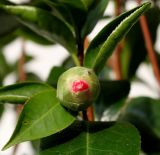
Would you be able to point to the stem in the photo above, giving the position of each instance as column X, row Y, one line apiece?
column 21, row 70
column 84, row 113
column 80, row 53
column 117, row 7
column 90, row 110
column 22, row 77
column 81, row 57
column 75, row 59
column 88, row 114
column 15, row 150
column 118, row 50
column 117, row 62
column 149, row 46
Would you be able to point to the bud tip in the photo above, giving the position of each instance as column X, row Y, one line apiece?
column 79, row 86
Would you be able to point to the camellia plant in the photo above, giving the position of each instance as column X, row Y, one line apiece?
column 60, row 112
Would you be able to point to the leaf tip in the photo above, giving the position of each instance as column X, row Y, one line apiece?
column 6, row 146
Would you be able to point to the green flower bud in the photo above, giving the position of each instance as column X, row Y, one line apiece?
column 77, row 88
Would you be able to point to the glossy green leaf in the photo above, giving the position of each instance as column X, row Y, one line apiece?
column 62, row 12
column 43, row 23
column 28, row 34
column 5, row 2
column 94, row 138
column 30, row 76
column 72, row 13
column 79, row 4
column 6, row 39
column 113, row 91
column 42, row 116
column 19, row 93
column 112, row 98
column 110, row 112
column 8, row 24
column 54, row 75
column 93, row 16
column 39, row 4
column 4, row 67
column 114, row 111
column 143, row 112
column 135, row 53
column 147, row 108
column 104, row 43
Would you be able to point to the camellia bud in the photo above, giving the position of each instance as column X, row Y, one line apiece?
column 77, row 88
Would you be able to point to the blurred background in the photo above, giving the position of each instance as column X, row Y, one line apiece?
column 40, row 59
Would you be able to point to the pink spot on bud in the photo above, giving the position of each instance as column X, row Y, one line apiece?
column 79, row 86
